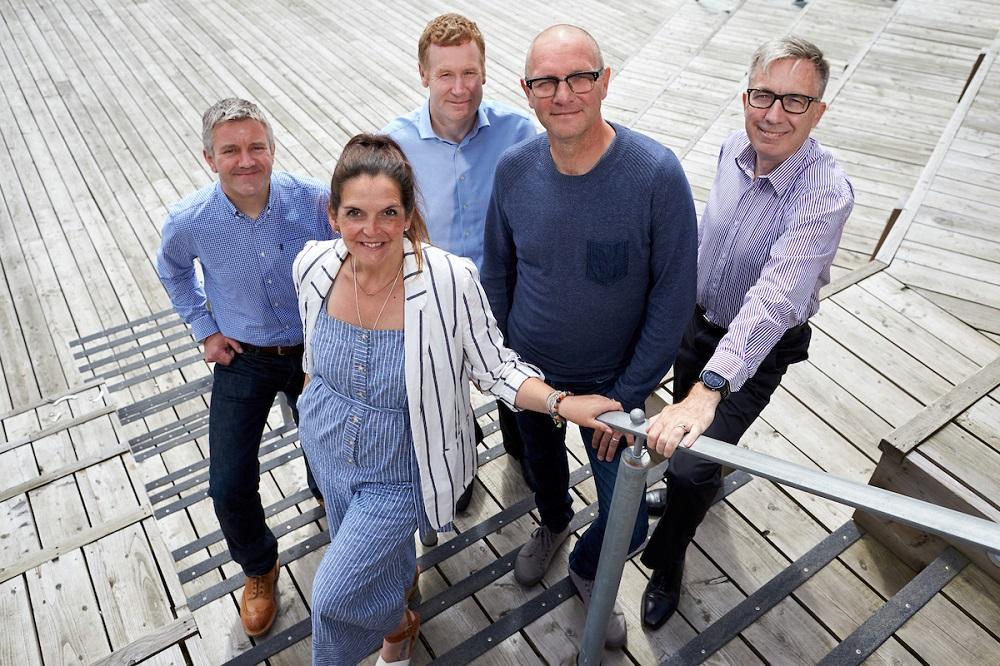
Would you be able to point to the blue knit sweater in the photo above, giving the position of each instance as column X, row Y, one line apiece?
column 592, row 277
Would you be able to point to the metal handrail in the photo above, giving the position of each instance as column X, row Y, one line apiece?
column 948, row 523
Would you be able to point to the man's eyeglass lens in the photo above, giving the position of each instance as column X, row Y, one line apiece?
column 579, row 83
column 790, row 102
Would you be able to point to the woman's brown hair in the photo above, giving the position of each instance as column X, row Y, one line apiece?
column 378, row 155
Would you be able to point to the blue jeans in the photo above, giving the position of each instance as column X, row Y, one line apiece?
column 545, row 452
column 242, row 395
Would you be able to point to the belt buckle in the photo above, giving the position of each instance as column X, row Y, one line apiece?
column 281, row 351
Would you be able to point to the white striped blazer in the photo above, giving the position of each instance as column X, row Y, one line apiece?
column 450, row 338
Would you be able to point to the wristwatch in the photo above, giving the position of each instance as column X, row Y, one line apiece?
column 713, row 381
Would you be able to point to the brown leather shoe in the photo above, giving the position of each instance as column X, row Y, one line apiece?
column 259, row 605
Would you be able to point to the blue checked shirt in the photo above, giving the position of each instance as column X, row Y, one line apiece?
column 765, row 246
column 246, row 263
column 455, row 180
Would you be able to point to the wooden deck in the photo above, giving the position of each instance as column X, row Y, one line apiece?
column 100, row 104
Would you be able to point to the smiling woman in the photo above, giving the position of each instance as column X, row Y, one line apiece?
column 395, row 330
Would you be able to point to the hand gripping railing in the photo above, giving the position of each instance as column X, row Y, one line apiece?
column 631, row 483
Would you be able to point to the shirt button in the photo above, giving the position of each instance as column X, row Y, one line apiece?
column 262, row 254
column 356, row 419
column 466, row 205
column 461, row 177
column 269, row 281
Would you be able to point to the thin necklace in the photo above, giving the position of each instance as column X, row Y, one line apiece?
column 371, row 293
column 357, row 301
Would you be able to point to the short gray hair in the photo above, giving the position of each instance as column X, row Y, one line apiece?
column 227, row 110
column 791, row 47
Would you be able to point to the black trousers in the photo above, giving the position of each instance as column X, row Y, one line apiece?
column 691, row 481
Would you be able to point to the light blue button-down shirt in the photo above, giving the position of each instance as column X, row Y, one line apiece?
column 247, row 263
column 455, row 180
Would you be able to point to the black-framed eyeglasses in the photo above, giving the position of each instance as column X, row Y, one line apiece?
column 794, row 103
column 578, row 82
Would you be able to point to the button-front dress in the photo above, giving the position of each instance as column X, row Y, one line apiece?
column 355, row 429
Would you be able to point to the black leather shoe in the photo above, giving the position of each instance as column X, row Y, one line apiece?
column 663, row 591
column 463, row 500
column 656, row 501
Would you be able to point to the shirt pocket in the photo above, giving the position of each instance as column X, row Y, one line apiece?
column 607, row 261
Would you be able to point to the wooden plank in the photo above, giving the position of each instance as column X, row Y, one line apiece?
column 938, row 321
column 128, row 588
column 65, row 611
column 18, row 641
column 890, row 357
column 915, row 200
column 59, row 473
column 929, row 349
column 152, row 643
column 45, row 432
column 905, row 438
column 967, row 459
column 81, row 538
column 855, row 276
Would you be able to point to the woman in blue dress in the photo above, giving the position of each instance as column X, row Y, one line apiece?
column 395, row 330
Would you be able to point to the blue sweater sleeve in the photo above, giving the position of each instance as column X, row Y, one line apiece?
column 499, row 258
column 673, row 281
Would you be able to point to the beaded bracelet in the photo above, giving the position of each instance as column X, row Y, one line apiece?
column 552, row 405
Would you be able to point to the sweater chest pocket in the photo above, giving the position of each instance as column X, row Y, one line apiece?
column 607, row 261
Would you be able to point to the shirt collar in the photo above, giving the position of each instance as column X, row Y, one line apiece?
column 223, row 200
column 784, row 174
column 426, row 130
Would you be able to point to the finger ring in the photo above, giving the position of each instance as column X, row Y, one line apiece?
column 615, row 439
column 681, row 425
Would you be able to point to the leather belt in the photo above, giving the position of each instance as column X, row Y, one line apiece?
column 291, row 350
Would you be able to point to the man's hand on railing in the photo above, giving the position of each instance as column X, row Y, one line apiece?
column 683, row 423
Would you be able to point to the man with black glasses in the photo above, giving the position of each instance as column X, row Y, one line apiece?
column 589, row 257
column 767, row 238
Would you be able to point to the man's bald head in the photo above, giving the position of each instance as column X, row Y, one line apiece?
column 564, row 33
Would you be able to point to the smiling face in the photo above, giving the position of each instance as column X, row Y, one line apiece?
column 774, row 133
column 371, row 219
column 566, row 116
column 243, row 158
column 454, row 77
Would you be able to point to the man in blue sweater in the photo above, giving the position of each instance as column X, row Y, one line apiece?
column 590, row 269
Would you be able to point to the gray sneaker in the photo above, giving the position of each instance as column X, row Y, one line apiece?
column 617, row 632
column 535, row 556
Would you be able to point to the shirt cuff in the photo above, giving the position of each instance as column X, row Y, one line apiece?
column 508, row 387
column 730, row 366
column 204, row 326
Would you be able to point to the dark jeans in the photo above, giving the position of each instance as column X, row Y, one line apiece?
column 242, row 395
column 512, row 443
column 545, row 452
column 691, row 481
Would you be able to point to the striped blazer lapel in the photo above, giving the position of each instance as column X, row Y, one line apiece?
column 416, row 329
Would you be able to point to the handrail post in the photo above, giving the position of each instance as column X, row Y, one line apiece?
column 630, row 484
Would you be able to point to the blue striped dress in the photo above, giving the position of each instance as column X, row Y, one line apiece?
column 355, row 429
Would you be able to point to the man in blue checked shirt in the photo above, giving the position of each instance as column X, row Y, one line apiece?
column 766, row 242
column 453, row 142
column 245, row 230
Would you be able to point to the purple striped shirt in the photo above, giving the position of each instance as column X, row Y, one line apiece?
column 765, row 246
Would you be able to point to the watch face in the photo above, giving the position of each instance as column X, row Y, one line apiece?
column 713, row 380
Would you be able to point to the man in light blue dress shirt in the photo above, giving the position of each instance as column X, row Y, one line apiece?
column 454, row 141
column 245, row 230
